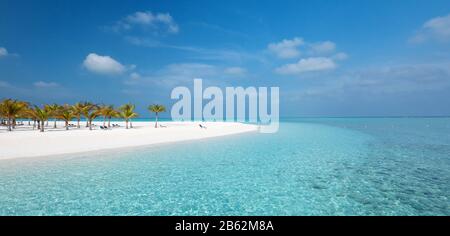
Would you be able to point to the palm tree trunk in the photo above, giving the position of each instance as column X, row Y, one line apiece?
column 9, row 125
column 156, row 123
column 34, row 124
column 109, row 122
column 54, row 124
column 67, row 125
column 38, row 124
column 126, row 124
column 42, row 126
column 78, row 122
column 131, row 124
column 14, row 123
column 29, row 122
column 90, row 124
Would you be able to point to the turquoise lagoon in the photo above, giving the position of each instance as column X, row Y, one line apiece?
column 314, row 166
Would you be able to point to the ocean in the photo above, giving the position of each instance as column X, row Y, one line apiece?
column 312, row 166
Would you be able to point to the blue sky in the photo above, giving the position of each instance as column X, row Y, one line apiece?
column 329, row 58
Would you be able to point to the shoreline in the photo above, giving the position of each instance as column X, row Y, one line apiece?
column 27, row 143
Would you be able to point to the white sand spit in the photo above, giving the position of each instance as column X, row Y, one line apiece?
column 25, row 142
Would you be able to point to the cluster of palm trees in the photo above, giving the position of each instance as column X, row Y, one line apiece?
column 11, row 110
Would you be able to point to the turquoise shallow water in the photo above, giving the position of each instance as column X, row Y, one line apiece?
column 334, row 166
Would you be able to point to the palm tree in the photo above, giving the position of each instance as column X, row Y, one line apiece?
column 66, row 114
column 156, row 109
column 87, row 110
column 53, row 110
column 10, row 109
column 23, row 106
column 24, row 113
column 108, row 112
column 77, row 110
column 127, row 112
column 27, row 113
column 41, row 115
column 94, row 112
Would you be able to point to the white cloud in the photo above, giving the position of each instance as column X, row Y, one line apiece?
column 434, row 29
column 293, row 48
column 103, row 65
column 236, row 71
column 168, row 20
column 148, row 19
column 288, row 48
column 135, row 76
column 3, row 52
column 141, row 18
column 307, row 65
column 133, row 79
column 318, row 56
column 43, row 84
column 323, row 47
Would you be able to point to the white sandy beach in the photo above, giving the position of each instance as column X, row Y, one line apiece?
column 25, row 142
